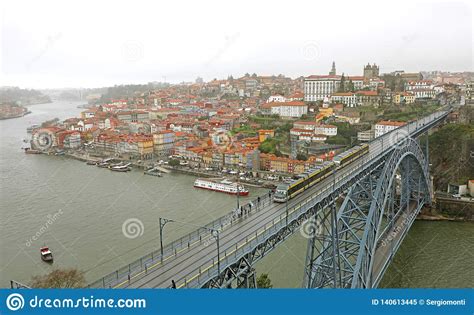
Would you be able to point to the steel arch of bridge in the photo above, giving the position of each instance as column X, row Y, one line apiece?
column 355, row 243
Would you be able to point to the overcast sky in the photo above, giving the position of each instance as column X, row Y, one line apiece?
column 98, row 43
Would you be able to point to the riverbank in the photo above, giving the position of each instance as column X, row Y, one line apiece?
column 15, row 116
column 166, row 169
column 428, row 217
column 448, row 209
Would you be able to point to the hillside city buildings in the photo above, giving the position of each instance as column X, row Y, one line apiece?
column 224, row 123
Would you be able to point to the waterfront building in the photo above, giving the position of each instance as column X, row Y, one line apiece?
column 163, row 143
column 145, row 146
column 68, row 139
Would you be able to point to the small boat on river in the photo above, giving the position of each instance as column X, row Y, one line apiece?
column 46, row 254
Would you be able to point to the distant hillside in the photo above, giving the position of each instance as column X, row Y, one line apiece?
column 17, row 96
column 452, row 155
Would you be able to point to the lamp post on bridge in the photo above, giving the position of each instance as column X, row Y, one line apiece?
column 163, row 222
column 238, row 194
column 214, row 233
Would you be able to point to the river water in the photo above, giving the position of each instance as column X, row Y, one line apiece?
column 78, row 211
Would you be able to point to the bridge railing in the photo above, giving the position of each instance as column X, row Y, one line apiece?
column 151, row 260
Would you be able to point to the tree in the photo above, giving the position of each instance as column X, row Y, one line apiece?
column 173, row 162
column 301, row 156
column 350, row 86
column 264, row 282
column 267, row 146
column 60, row 278
column 342, row 85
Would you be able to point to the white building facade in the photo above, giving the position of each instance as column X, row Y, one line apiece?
column 383, row 127
column 290, row 109
column 317, row 87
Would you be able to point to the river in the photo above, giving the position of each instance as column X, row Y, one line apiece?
column 78, row 211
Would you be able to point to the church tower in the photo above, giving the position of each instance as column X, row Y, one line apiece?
column 333, row 69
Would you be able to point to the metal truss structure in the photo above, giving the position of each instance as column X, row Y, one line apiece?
column 357, row 241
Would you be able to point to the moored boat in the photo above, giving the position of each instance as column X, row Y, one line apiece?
column 121, row 167
column 224, row 186
column 32, row 151
column 153, row 172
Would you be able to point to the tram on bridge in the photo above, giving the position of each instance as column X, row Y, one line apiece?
column 306, row 180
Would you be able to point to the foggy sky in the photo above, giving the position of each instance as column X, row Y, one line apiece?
column 49, row 44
